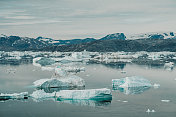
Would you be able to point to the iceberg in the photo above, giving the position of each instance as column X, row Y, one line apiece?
column 89, row 94
column 134, row 81
column 40, row 95
column 43, row 61
column 68, row 81
column 18, row 96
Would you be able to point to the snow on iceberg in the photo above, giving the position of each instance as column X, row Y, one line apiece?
column 18, row 96
column 68, row 81
column 134, row 81
column 89, row 94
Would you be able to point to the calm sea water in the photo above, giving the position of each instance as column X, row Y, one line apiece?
column 96, row 76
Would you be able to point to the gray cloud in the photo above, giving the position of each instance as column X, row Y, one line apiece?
column 85, row 18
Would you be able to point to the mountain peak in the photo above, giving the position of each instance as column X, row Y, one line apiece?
column 120, row 36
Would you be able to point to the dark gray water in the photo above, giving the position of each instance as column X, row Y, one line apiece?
column 96, row 76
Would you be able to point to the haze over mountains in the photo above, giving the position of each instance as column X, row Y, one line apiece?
column 159, row 41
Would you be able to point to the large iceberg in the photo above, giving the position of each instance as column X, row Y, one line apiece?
column 18, row 96
column 89, row 94
column 134, row 81
column 41, row 95
column 68, row 81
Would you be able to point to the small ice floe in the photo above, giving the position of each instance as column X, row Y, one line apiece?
column 87, row 75
column 169, row 66
column 150, row 111
column 165, row 100
column 17, row 96
column 88, row 94
column 123, row 72
column 156, row 86
column 47, row 68
column 125, row 101
column 68, row 81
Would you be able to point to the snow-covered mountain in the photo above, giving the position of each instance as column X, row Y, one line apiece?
column 152, row 35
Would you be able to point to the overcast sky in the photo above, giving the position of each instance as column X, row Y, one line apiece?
column 68, row 19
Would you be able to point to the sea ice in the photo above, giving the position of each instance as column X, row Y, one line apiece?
column 165, row 100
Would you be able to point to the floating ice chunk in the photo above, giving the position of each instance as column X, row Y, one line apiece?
column 148, row 110
column 68, row 81
column 125, row 101
column 18, row 96
column 47, row 68
column 169, row 66
column 43, row 61
column 73, row 69
column 40, row 95
column 156, row 86
column 153, row 111
column 91, row 94
column 123, row 72
column 134, row 81
column 60, row 71
column 165, row 100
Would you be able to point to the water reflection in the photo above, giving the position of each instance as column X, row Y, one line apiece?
column 91, row 103
column 131, row 90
